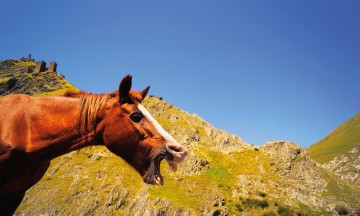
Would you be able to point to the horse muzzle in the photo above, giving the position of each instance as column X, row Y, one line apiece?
column 175, row 154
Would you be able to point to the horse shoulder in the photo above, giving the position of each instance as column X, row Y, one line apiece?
column 18, row 169
column 14, row 122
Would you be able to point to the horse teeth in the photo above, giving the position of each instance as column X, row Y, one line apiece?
column 157, row 180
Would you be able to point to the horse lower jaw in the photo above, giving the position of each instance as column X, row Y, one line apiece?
column 153, row 176
column 156, row 180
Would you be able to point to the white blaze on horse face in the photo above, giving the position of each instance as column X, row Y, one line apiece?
column 172, row 146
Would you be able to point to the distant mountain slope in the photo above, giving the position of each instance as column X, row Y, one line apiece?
column 339, row 152
column 223, row 175
column 18, row 76
column 340, row 141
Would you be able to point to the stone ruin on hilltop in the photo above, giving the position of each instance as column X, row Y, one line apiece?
column 41, row 67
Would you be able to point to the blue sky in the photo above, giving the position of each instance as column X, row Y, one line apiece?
column 263, row 70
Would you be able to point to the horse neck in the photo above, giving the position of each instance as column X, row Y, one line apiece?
column 90, row 106
column 77, row 128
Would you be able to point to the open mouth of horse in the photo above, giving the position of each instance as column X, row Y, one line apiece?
column 153, row 175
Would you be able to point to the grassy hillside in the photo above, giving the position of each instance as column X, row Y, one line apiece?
column 338, row 142
column 222, row 174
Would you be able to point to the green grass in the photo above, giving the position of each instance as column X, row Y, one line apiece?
column 220, row 175
column 255, row 203
column 57, row 92
column 197, row 190
column 346, row 191
column 21, row 64
column 285, row 211
column 66, row 86
column 172, row 190
column 17, row 65
column 340, row 141
column 5, row 79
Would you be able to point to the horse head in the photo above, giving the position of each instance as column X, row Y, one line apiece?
column 129, row 131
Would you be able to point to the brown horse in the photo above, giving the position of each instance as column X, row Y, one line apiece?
column 33, row 131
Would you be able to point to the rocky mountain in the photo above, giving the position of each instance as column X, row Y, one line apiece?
column 20, row 76
column 223, row 175
column 339, row 152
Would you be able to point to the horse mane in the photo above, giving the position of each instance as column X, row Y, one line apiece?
column 73, row 93
column 77, row 94
column 90, row 104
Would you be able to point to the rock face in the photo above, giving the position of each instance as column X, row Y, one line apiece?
column 346, row 166
column 296, row 166
column 294, row 161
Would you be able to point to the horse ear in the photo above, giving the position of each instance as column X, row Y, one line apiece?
column 144, row 92
column 125, row 87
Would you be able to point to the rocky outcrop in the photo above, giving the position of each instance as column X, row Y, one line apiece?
column 32, row 84
column 295, row 161
column 16, row 77
column 346, row 166
column 303, row 175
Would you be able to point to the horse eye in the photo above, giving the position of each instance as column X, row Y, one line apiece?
column 136, row 117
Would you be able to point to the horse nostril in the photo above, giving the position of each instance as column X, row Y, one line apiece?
column 182, row 150
column 177, row 148
column 176, row 153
